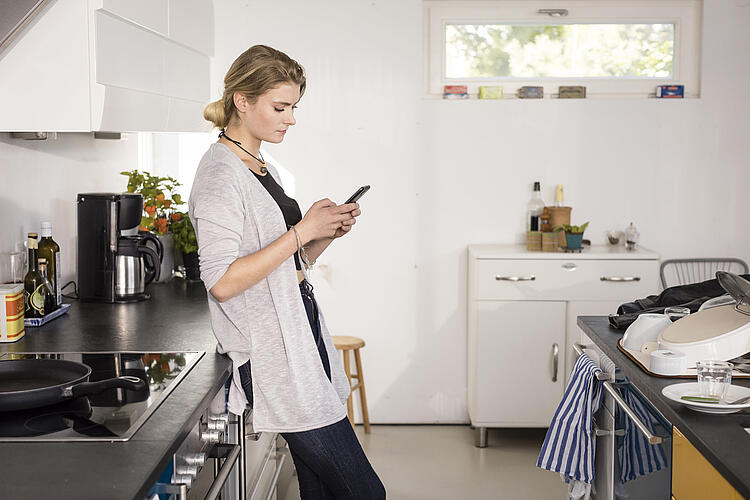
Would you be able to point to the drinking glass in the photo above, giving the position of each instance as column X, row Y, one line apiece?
column 12, row 267
column 675, row 313
column 714, row 378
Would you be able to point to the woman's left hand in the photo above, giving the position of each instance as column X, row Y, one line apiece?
column 347, row 224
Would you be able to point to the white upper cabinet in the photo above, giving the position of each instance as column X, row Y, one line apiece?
column 151, row 14
column 110, row 65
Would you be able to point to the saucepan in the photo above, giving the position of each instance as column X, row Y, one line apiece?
column 32, row 383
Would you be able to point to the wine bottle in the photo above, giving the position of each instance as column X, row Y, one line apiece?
column 50, row 250
column 33, row 303
column 50, row 301
column 558, row 198
column 535, row 208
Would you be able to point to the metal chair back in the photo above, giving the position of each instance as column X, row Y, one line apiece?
column 686, row 271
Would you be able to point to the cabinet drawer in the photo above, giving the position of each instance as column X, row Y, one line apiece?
column 693, row 477
column 501, row 279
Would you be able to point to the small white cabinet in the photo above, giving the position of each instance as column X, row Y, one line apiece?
column 522, row 310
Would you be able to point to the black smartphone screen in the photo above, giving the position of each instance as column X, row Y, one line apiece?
column 357, row 194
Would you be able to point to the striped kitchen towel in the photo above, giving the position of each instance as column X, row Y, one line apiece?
column 568, row 447
column 638, row 457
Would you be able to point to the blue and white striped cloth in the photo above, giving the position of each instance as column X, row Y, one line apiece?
column 637, row 456
column 569, row 445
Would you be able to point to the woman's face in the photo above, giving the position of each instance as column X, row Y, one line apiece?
column 269, row 117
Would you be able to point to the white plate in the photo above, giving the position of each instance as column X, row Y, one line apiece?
column 676, row 391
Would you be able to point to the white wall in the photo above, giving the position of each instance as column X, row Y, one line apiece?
column 445, row 174
column 40, row 180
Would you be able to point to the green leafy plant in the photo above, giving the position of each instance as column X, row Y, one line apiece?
column 572, row 229
column 184, row 234
column 160, row 201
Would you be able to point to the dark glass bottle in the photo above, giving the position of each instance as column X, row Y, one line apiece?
column 33, row 302
column 50, row 250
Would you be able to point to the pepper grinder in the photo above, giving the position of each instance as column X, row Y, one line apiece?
column 631, row 237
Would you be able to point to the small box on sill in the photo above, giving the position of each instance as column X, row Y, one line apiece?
column 670, row 91
column 530, row 92
column 490, row 92
column 455, row 92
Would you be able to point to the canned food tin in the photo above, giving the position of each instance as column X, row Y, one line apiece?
column 11, row 315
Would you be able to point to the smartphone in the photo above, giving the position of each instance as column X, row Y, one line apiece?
column 359, row 193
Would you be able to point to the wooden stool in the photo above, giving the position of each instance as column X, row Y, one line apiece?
column 346, row 344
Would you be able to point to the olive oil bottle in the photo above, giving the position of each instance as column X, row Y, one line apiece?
column 32, row 282
column 50, row 302
column 50, row 250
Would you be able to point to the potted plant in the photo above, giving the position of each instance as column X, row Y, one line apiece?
column 186, row 243
column 160, row 203
column 573, row 234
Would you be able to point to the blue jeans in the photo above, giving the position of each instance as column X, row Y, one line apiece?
column 330, row 462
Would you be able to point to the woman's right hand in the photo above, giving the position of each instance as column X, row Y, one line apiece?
column 323, row 219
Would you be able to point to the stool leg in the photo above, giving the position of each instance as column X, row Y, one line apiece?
column 362, row 396
column 348, row 371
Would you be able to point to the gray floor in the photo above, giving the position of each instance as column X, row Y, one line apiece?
column 439, row 462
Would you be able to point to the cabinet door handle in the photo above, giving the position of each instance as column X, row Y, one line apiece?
column 620, row 278
column 515, row 278
column 555, row 360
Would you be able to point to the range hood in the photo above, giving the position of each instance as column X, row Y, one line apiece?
column 15, row 15
column 104, row 65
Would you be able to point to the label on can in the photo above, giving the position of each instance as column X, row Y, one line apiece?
column 11, row 318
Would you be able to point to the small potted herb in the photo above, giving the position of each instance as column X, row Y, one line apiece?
column 573, row 234
column 160, row 202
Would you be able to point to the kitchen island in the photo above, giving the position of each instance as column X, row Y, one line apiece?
column 176, row 318
column 721, row 439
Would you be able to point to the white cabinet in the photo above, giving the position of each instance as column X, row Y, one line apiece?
column 504, row 330
column 522, row 310
column 110, row 65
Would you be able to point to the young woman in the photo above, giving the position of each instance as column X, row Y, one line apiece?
column 255, row 248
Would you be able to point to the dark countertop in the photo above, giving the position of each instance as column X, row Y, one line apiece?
column 722, row 439
column 175, row 319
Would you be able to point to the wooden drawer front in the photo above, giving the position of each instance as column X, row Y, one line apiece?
column 498, row 279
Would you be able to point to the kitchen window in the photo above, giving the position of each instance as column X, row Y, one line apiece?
column 614, row 48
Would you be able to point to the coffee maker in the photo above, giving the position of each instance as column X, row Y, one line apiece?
column 114, row 263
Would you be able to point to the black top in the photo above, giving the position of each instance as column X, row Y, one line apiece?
column 289, row 206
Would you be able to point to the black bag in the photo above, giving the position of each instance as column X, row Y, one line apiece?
column 691, row 296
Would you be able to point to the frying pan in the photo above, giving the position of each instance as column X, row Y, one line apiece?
column 31, row 383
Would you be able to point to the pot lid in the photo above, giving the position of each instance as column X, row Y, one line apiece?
column 738, row 288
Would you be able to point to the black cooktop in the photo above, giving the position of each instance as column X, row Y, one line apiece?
column 112, row 415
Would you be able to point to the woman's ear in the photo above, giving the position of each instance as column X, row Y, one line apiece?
column 240, row 102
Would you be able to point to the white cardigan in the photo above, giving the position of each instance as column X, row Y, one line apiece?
column 234, row 216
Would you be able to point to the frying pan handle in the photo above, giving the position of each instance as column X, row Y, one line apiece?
column 87, row 388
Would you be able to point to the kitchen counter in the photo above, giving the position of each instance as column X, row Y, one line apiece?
column 175, row 319
column 722, row 439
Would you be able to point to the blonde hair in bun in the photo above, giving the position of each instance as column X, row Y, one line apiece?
column 256, row 71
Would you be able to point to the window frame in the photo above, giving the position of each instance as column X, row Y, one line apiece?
column 685, row 14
